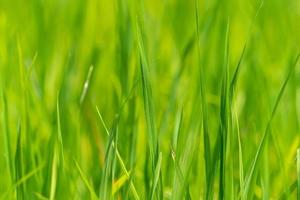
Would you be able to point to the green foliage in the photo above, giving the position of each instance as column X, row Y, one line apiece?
column 149, row 99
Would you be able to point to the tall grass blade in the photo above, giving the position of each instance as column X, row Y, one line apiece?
column 156, row 175
column 7, row 140
column 206, row 140
column 149, row 109
column 250, row 176
column 59, row 136
column 19, row 163
column 54, row 175
column 225, row 118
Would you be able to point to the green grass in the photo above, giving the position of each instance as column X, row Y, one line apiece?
column 149, row 99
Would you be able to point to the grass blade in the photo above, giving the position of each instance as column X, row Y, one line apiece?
column 298, row 173
column 148, row 108
column 156, row 175
column 206, row 140
column 122, row 164
column 7, row 140
column 117, row 185
column 249, row 179
column 61, row 147
column 86, row 182
column 53, row 175
column 86, row 84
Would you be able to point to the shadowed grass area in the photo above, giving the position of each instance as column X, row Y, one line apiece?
column 149, row 99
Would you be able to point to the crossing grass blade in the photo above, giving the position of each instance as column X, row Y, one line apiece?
column 250, row 175
column 122, row 164
column 156, row 175
column 149, row 110
column 180, row 180
column 117, row 185
column 206, row 140
column 86, row 182
column 147, row 97
column 107, row 178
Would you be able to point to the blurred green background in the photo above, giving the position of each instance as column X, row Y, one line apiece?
column 47, row 48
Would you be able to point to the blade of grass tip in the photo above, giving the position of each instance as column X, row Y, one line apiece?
column 123, row 167
column 86, row 182
column 298, row 173
column 236, row 73
column 249, row 178
column 61, row 147
column 206, row 140
column 7, row 140
column 86, row 84
column 156, row 175
column 178, row 124
column 237, row 70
